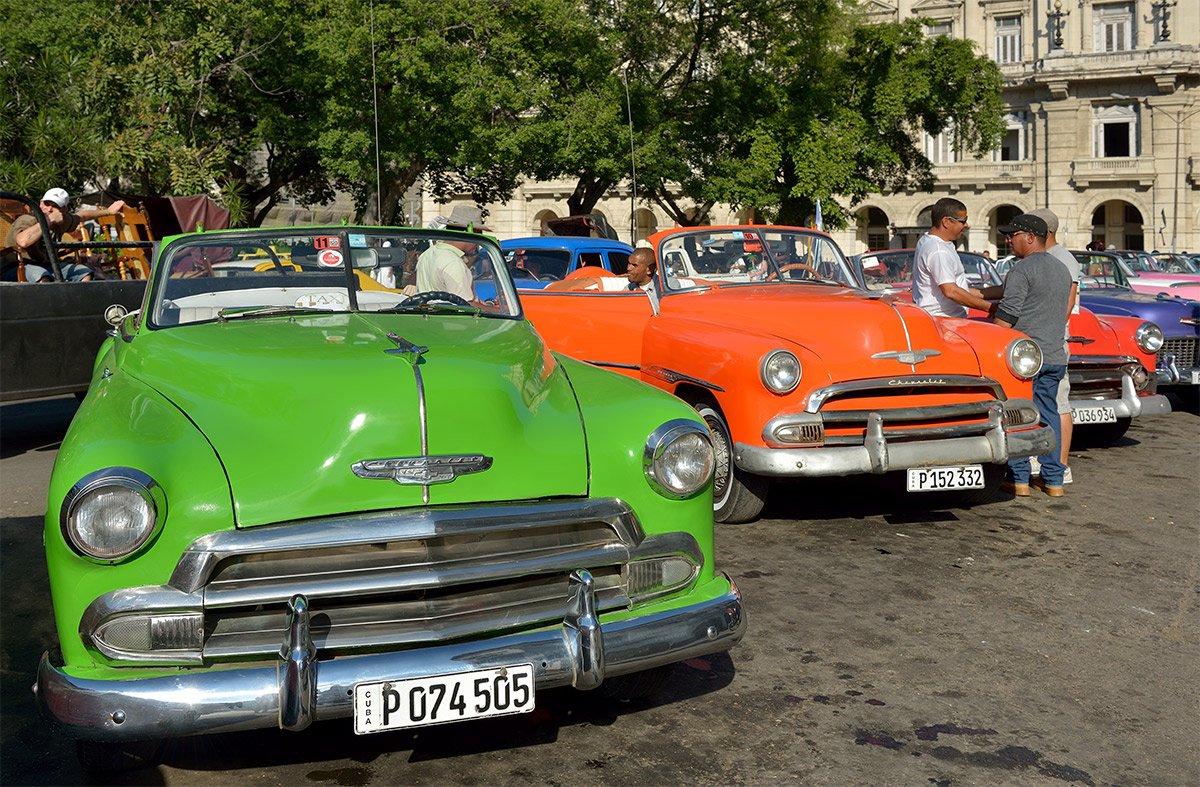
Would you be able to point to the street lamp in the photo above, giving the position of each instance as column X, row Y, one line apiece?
column 1056, row 19
column 1163, row 7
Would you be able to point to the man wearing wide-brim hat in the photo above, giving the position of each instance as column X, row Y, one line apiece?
column 445, row 265
column 1037, row 294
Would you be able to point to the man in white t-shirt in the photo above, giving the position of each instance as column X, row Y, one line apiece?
column 939, row 283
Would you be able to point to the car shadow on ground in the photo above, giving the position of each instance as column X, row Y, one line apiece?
column 35, row 426
column 327, row 742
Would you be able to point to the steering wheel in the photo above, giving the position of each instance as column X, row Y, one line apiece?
column 799, row 266
column 431, row 296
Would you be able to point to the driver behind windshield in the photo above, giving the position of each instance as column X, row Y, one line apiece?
column 446, row 265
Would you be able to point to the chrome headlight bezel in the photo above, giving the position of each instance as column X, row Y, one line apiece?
column 1149, row 337
column 1017, row 351
column 776, row 373
column 138, row 488
column 658, row 456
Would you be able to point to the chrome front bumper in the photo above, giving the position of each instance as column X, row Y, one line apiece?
column 298, row 689
column 877, row 455
column 1130, row 405
column 1170, row 373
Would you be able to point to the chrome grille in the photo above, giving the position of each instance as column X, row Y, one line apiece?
column 1183, row 348
column 911, row 418
column 1097, row 378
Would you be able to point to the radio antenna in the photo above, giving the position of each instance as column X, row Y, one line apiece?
column 375, row 100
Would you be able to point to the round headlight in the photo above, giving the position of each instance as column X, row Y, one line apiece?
column 1149, row 337
column 1024, row 358
column 679, row 458
column 111, row 513
column 781, row 371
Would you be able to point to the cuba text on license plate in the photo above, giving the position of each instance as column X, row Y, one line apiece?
column 935, row 479
column 1093, row 415
column 441, row 699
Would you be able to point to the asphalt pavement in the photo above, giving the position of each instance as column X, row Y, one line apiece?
column 894, row 638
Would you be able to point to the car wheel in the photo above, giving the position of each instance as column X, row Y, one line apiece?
column 636, row 685
column 1102, row 434
column 112, row 757
column 738, row 496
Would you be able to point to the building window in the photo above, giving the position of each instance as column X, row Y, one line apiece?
column 1115, row 131
column 1114, row 27
column 1008, row 39
column 939, row 27
column 1012, row 143
column 939, row 148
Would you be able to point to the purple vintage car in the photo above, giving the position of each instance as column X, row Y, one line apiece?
column 1104, row 289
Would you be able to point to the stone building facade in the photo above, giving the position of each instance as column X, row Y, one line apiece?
column 1103, row 127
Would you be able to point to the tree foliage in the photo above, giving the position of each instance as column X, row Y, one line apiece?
column 762, row 104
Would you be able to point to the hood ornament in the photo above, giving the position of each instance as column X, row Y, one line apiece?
column 908, row 356
column 422, row 470
column 411, row 352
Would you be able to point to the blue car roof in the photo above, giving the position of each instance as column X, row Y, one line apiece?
column 570, row 242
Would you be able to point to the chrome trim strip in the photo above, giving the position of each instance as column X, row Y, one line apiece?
column 194, row 702
column 910, row 357
column 202, row 555
column 1102, row 360
column 818, row 397
column 672, row 376
column 911, row 413
column 609, row 365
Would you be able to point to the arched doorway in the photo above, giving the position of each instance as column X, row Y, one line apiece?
column 1001, row 215
column 539, row 221
column 645, row 223
column 873, row 232
column 1118, row 225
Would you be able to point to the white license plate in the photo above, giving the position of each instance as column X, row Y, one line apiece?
column 936, row 479
column 1093, row 415
column 1195, row 376
column 441, row 699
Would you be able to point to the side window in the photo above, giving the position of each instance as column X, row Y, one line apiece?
column 618, row 262
column 590, row 258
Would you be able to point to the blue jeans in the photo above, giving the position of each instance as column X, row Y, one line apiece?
column 1045, row 395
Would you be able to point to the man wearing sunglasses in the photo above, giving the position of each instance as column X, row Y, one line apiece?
column 939, row 283
column 1037, row 295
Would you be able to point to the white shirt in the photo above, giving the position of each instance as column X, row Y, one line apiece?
column 937, row 263
column 442, row 267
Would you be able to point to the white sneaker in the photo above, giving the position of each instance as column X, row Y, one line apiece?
column 1067, row 477
column 1035, row 467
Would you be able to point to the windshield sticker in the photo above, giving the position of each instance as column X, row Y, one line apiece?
column 334, row 299
column 330, row 258
column 327, row 242
column 358, row 241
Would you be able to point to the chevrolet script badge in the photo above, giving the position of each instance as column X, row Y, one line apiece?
column 422, row 470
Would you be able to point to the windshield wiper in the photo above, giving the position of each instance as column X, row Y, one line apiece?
column 267, row 311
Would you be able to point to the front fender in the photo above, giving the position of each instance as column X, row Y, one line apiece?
column 124, row 423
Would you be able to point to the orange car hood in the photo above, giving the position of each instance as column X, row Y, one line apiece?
column 845, row 328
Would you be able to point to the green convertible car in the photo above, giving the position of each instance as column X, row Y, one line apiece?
column 308, row 483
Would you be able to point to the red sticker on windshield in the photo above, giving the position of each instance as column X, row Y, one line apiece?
column 327, row 242
column 330, row 258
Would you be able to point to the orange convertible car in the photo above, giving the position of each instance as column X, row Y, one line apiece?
column 798, row 372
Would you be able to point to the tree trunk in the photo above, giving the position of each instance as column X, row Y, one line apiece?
column 588, row 191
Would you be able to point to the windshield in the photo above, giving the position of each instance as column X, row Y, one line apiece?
column 1176, row 263
column 1100, row 271
column 893, row 269
column 539, row 264
column 752, row 255
column 261, row 273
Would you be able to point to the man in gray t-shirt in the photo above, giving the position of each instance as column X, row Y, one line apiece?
column 1060, row 253
column 1036, row 301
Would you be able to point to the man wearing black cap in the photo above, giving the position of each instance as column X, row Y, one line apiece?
column 1036, row 301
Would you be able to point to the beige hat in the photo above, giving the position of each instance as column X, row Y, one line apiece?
column 466, row 217
column 1048, row 216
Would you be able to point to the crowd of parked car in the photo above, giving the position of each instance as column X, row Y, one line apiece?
column 301, row 486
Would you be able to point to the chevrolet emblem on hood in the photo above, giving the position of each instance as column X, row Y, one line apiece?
column 422, row 469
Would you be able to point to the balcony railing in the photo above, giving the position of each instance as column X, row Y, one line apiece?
column 1099, row 65
column 1018, row 174
column 1110, row 170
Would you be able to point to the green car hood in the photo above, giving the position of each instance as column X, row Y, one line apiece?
column 291, row 404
